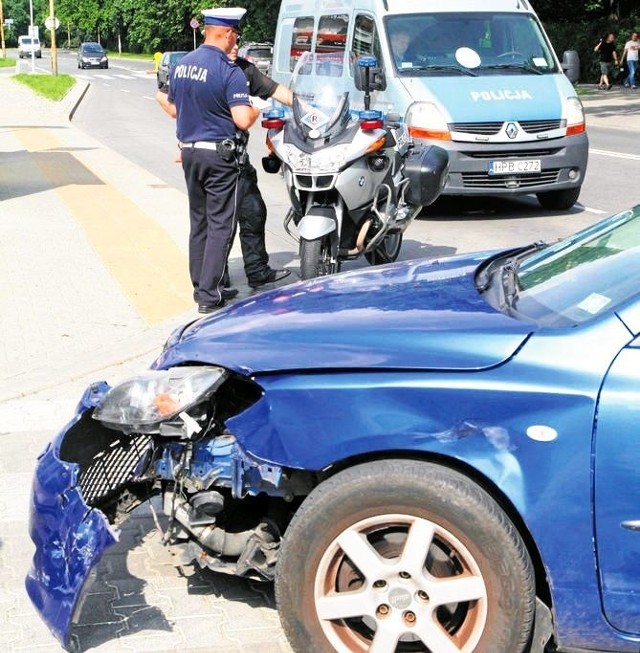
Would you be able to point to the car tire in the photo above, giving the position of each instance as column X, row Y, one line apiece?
column 389, row 533
column 559, row 200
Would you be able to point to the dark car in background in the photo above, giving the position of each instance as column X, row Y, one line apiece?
column 167, row 63
column 92, row 55
column 259, row 54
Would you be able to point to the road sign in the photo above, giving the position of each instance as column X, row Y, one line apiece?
column 52, row 22
column 8, row 21
column 195, row 23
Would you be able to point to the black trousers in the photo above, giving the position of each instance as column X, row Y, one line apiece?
column 252, row 219
column 212, row 188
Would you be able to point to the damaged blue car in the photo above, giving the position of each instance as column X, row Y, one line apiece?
column 433, row 455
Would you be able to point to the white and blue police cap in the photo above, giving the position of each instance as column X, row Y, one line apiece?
column 224, row 16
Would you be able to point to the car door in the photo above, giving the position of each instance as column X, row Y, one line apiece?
column 617, row 490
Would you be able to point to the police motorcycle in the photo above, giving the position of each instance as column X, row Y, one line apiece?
column 355, row 179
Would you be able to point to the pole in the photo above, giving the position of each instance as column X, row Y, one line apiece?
column 4, row 51
column 33, row 52
column 54, row 50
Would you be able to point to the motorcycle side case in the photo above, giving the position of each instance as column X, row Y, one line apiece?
column 427, row 169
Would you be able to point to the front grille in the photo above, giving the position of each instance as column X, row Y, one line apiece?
column 314, row 182
column 537, row 126
column 478, row 128
column 485, row 180
column 110, row 468
column 492, row 128
column 511, row 154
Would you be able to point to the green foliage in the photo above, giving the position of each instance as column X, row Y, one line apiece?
column 53, row 87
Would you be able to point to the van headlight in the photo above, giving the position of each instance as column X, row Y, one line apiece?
column 575, row 117
column 425, row 120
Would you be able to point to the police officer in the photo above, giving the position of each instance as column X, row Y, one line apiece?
column 209, row 99
column 252, row 217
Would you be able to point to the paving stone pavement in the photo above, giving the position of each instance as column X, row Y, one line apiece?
column 61, row 301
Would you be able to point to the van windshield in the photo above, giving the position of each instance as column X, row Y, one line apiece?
column 477, row 43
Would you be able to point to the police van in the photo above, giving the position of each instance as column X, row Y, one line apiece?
column 479, row 79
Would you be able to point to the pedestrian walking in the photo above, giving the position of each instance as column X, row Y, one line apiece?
column 606, row 48
column 209, row 99
column 252, row 217
column 630, row 52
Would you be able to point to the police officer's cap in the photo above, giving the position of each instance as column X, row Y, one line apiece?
column 224, row 16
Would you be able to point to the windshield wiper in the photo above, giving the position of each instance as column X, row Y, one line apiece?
column 509, row 274
column 513, row 66
column 440, row 68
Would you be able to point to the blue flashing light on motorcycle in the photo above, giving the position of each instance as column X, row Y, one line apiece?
column 273, row 118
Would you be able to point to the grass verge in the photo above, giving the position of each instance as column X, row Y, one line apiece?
column 53, row 87
column 7, row 63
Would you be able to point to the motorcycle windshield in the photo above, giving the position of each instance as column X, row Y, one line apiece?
column 319, row 110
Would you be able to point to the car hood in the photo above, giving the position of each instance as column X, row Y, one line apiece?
column 409, row 315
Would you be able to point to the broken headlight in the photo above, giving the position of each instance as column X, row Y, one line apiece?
column 143, row 402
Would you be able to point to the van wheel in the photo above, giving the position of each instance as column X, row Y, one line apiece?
column 399, row 556
column 315, row 258
column 559, row 200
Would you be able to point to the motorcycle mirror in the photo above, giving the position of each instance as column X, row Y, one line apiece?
column 368, row 76
column 270, row 164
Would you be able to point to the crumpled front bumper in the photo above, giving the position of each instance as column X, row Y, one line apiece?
column 69, row 537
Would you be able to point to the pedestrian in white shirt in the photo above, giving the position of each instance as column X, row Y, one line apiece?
column 631, row 48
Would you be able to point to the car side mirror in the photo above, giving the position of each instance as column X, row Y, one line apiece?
column 571, row 65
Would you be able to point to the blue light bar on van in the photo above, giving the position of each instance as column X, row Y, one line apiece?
column 273, row 118
column 370, row 119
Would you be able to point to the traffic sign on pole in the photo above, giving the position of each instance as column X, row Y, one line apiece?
column 52, row 22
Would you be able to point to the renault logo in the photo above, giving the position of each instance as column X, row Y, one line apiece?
column 512, row 130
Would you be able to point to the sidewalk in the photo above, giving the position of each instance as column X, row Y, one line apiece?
column 74, row 308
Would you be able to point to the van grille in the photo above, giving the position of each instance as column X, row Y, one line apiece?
column 485, row 180
column 512, row 154
column 492, row 128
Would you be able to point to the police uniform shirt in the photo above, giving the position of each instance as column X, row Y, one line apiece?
column 259, row 84
column 204, row 85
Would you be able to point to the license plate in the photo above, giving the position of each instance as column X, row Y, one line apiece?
column 509, row 167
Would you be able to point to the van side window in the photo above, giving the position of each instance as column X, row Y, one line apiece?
column 332, row 39
column 365, row 37
column 301, row 39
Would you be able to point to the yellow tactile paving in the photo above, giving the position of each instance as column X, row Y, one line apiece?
column 145, row 262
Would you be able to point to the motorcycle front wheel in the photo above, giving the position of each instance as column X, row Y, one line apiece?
column 315, row 258
column 387, row 251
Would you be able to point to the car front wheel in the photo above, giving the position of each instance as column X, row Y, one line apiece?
column 558, row 200
column 401, row 555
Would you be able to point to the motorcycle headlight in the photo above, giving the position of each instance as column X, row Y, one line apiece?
column 144, row 401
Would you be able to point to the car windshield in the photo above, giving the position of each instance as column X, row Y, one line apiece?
column 576, row 279
column 259, row 53
column 93, row 48
column 456, row 43
column 174, row 57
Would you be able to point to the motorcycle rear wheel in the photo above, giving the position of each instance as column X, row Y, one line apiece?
column 315, row 258
column 387, row 251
